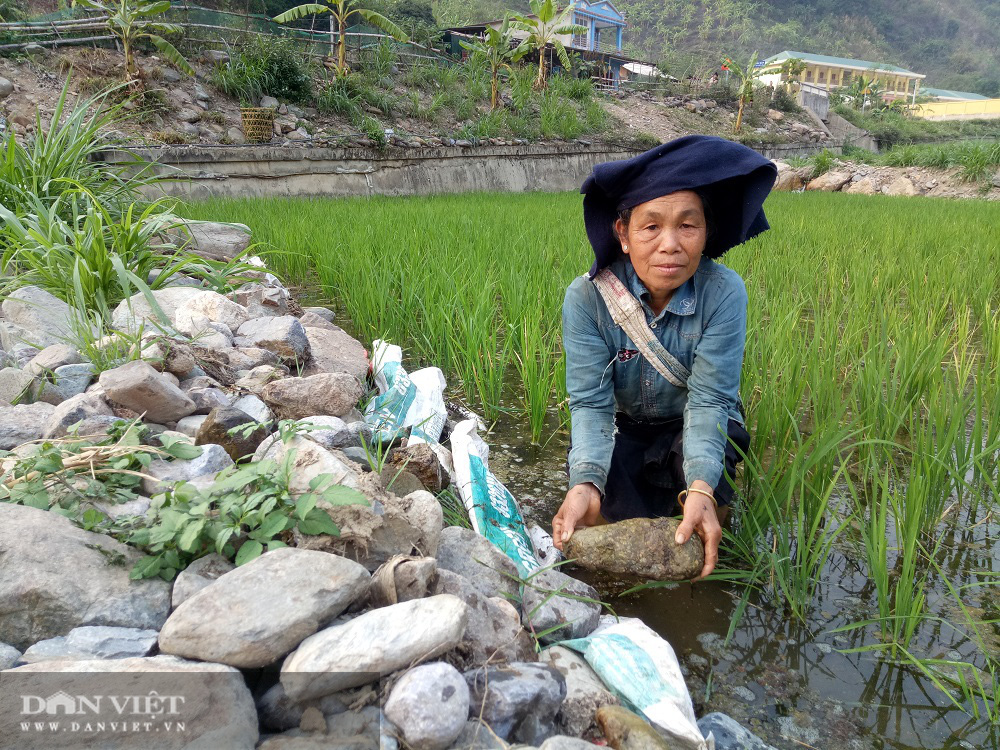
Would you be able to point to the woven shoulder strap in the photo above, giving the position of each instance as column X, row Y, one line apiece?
column 628, row 315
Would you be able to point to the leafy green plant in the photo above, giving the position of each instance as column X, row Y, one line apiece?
column 247, row 510
column 131, row 21
column 498, row 51
column 69, row 475
column 544, row 26
column 342, row 12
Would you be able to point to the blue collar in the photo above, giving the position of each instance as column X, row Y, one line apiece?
column 683, row 301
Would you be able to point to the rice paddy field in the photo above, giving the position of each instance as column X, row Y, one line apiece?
column 859, row 605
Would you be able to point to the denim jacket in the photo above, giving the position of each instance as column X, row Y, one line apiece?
column 703, row 326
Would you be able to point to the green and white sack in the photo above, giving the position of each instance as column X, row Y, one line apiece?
column 493, row 510
column 642, row 669
column 413, row 403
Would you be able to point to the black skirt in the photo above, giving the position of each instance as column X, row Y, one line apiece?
column 647, row 471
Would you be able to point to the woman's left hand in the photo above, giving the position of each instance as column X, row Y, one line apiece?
column 701, row 518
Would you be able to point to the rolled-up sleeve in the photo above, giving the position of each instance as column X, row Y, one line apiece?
column 590, row 385
column 714, row 385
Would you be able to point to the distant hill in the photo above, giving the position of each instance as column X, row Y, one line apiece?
column 954, row 43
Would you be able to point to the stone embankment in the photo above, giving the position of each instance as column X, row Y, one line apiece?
column 398, row 631
column 865, row 179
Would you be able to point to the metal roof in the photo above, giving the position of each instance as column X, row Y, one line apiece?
column 949, row 94
column 843, row 62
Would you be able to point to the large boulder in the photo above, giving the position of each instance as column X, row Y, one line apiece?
column 211, row 306
column 902, row 185
column 216, row 241
column 730, row 734
column 863, row 186
column 283, row 335
column 136, row 312
column 626, row 730
column 327, row 394
column 575, row 615
column 469, row 554
column 197, row 576
column 161, row 474
column 216, row 429
column 53, row 356
column 390, row 525
column 310, row 461
column 494, row 632
column 15, row 385
column 335, row 351
column 55, row 576
column 47, row 319
column 585, row 691
column 373, row 645
column 80, row 409
column 137, row 386
column 211, row 701
column 233, row 620
column 430, row 705
column 830, row 181
column 22, row 423
column 518, row 701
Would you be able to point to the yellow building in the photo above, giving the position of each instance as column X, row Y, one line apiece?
column 827, row 73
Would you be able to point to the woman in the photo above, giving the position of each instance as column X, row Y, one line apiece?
column 655, row 413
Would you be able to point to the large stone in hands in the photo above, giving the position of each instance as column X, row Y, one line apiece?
column 642, row 547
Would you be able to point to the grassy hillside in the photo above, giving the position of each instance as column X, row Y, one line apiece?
column 954, row 43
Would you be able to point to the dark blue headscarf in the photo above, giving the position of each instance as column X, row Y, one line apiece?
column 734, row 180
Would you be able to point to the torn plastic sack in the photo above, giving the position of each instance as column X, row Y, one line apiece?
column 493, row 510
column 641, row 668
column 404, row 402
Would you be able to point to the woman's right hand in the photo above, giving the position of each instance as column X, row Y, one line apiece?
column 581, row 508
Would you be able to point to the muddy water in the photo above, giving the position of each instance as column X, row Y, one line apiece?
column 791, row 683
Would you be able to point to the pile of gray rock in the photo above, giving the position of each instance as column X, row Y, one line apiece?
column 865, row 179
column 399, row 631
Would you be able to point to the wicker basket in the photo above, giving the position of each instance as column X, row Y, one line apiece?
column 258, row 123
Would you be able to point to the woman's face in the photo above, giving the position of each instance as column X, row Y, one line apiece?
column 664, row 239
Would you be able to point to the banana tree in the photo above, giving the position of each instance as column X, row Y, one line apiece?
column 341, row 11
column 497, row 50
column 544, row 26
column 745, row 76
column 129, row 21
column 864, row 92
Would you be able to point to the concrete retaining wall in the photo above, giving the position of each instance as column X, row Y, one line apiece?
column 257, row 171
column 846, row 133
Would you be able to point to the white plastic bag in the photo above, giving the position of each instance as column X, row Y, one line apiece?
column 641, row 668
column 405, row 402
column 492, row 509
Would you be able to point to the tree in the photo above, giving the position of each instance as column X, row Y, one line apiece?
column 745, row 78
column 129, row 22
column 792, row 67
column 341, row 11
column 495, row 48
column 543, row 30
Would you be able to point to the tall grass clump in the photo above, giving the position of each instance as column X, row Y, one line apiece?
column 81, row 228
column 264, row 66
